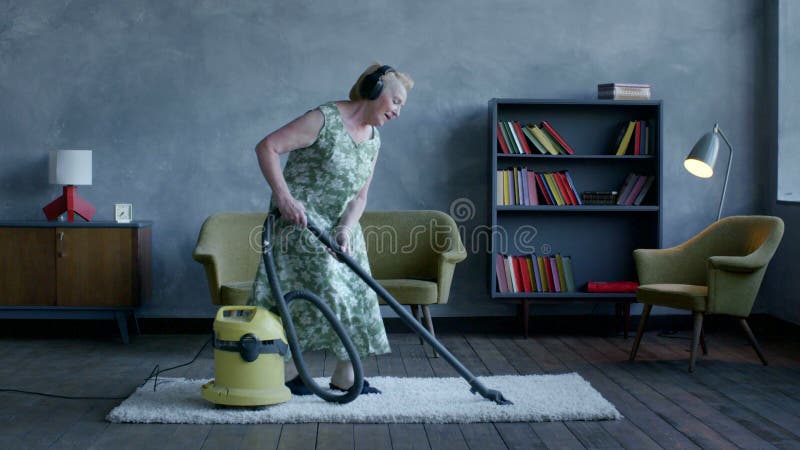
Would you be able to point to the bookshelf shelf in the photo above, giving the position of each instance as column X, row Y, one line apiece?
column 559, row 297
column 599, row 239
column 580, row 157
column 581, row 208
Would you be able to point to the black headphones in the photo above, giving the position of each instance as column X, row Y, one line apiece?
column 372, row 84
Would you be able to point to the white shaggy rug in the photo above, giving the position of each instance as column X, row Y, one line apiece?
column 536, row 398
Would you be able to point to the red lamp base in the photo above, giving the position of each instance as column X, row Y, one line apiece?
column 71, row 203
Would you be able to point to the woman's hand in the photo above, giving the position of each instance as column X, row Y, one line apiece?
column 341, row 235
column 292, row 210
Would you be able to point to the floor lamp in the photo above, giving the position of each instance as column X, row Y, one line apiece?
column 703, row 156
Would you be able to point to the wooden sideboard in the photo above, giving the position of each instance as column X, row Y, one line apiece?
column 77, row 270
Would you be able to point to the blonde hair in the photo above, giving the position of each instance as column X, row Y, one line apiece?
column 403, row 78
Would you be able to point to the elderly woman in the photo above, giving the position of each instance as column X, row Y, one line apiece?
column 326, row 178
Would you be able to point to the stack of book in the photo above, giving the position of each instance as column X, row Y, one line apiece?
column 623, row 91
column 523, row 187
column 599, row 197
column 531, row 273
column 634, row 189
column 530, row 139
column 635, row 137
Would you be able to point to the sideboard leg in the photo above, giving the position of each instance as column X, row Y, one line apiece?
column 122, row 323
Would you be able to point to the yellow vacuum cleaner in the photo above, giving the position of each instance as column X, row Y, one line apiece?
column 249, row 341
column 249, row 344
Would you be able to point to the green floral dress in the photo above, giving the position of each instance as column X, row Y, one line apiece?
column 324, row 177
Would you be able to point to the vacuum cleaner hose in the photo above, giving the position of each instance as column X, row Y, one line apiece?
column 282, row 304
column 476, row 387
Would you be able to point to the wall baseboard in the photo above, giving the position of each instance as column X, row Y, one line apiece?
column 762, row 325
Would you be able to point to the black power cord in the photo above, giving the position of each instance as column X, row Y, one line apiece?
column 153, row 376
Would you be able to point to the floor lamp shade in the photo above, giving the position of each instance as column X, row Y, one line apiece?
column 703, row 156
column 701, row 160
column 70, row 168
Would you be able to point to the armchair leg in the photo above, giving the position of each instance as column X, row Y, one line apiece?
column 696, row 330
column 642, row 322
column 753, row 340
column 415, row 313
column 429, row 322
column 703, row 341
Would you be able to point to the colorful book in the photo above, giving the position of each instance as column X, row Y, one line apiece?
column 643, row 138
column 560, row 265
column 637, row 187
column 640, row 197
column 543, row 274
column 544, row 189
column 558, row 138
column 521, row 137
column 626, row 188
column 500, row 268
column 546, row 142
column 513, row 146
column 551, row 183
column 572, row 186
column 518, row 274
column 538, row 145
column 512, row 281
column 499, row 188
column 569, row 275
column 524, row 177
column 554, row 274
column 532, row 196
column 531, row 275
column 565, row 189
column 626, row 139
column 504, row 130
column 502, row 140
column 506, row 194
column 536, row 276
column 637, row 138
column 549, row 274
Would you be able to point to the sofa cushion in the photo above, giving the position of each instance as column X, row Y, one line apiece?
column 410, row 292
column 681, row 296
column 235, row 292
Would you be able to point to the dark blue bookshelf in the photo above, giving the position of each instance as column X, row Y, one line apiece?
column 600, row 239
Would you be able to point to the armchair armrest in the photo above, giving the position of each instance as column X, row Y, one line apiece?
column 453, row 256
column 741, row 264
column 208, row 259
column 669, row 265
column 447, row 261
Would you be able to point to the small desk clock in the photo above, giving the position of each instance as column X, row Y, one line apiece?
column 123, row 212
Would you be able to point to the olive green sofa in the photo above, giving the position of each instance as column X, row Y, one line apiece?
column 412, row 254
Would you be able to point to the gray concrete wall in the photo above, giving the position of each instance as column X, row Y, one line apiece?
column 172, row 97
column 779, row 292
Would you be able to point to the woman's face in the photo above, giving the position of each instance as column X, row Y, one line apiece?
column 387, row 106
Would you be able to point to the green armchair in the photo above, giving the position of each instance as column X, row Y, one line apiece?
column 719, row 271
column 412, row 254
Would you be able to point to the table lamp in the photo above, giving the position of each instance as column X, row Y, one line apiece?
column 703, row 156
column 70, row 168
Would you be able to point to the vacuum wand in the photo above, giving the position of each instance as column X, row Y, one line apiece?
column 476, row 385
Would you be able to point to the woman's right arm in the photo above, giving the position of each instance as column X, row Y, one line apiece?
column 299, row 133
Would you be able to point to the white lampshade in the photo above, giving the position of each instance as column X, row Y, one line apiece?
column 71, row 167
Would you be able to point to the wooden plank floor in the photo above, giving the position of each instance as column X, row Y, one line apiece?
column 730, row 401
